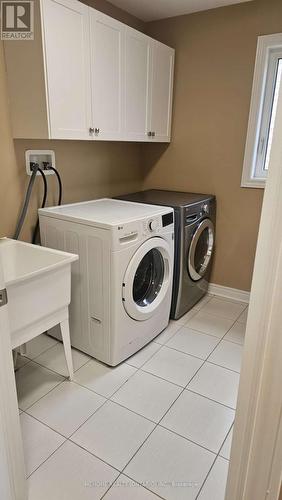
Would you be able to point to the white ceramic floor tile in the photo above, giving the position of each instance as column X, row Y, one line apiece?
column 225, row 308
column 39, row 442
column 216, row 383
column 164, row 337
column 103, row 379
column 21, row 361
column 113, row 434
column 143, row 355
column 228, row 355
column 214, row 487
column 147, row 395
column 210, row 324
column 33, row 381
column 38, row 345
column 244, row 316
column 200, row 420
column 203, row 301
column 66, row 407
column 193, row 342
column 187, row 316
column 71, row 474
column 236, row 333
column 172, row 365
column 226, row 448
column 54, row 359
column 170, row 466
column 125, row 488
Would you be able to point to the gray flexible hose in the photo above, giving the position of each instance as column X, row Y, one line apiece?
column 26, row 203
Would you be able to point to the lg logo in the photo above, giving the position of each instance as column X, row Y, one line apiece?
column 17, row 20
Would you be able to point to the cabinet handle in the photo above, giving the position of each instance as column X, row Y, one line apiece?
column 153, row 134
column 149, row 134
column 91, row 130
column 97, row 130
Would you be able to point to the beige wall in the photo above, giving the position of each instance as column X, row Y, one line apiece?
column 215, row 54
column 88, row 170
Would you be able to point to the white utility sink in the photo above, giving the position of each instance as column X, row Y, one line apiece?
column 38, row 283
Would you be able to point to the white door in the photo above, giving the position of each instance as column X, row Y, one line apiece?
column 161, row 91
column 136, row 85
column 107, row 49
column 12, row 473
column 66, row 36
column 147, row 279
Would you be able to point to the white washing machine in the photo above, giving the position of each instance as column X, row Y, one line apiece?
column 122, row 282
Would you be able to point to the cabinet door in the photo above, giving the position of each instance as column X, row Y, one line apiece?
column 161, row 91
column 66, row 35
column 136, row 87
column 106, row 47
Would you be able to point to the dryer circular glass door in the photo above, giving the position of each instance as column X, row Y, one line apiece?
column 147, row 279
column 201, row 249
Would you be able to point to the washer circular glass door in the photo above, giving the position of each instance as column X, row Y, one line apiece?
column 201, row 249
column 147, row 279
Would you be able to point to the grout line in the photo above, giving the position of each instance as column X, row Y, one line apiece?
column 210, row 399
column 43, row 352
column 222, row 366
column 189, row 440
column 188, row 353
column 47, row 459
column 46, row 425
column 93, row 455
column 139, row 367
column 176, row 331
column 225, row 441
column 143, row 486
column 49, row 369
column 111, row 486
column 165, row 379
column 41, row 397
column 216, row 458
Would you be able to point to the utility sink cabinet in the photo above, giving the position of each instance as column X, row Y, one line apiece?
column 87, row 76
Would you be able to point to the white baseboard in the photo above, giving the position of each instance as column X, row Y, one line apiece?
column 229, row 293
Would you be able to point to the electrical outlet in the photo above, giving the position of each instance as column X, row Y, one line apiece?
column 44, row 159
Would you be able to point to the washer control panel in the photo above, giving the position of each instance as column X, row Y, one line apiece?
column 152, row 225
column 131, row 232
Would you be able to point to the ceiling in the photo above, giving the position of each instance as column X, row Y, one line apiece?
column 149, row 10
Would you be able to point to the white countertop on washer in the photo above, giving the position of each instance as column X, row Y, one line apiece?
column 104, row 212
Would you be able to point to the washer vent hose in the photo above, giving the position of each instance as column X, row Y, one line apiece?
column 26, row 203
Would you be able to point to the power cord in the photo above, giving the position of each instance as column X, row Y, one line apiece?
column 47, row 166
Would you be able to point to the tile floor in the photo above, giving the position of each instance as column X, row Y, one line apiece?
column 157, row 426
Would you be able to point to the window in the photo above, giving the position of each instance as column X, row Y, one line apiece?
column 266, row 85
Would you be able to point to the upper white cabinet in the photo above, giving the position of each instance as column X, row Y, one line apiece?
column 161, row 91
column 107, row 53
column 88, row 76
column 137, row 85
column 66, row 38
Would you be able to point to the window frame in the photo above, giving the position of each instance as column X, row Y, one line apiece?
column 269, row 51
